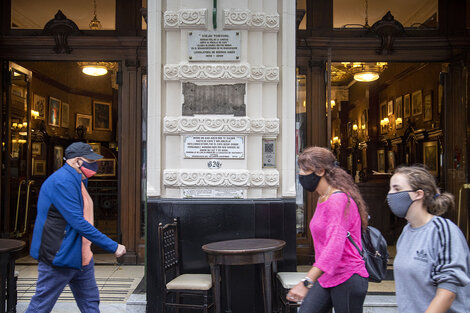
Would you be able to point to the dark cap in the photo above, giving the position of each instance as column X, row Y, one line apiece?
column 81, row 149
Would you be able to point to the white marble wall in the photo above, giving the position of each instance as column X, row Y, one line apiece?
column 266, row 66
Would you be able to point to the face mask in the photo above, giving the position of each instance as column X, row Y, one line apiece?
column 399, row 202
column 89, row 169
column 309, row 182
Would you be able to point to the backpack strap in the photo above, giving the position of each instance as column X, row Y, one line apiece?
column 361, row 252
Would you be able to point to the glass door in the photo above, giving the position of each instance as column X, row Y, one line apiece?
column 16, row 152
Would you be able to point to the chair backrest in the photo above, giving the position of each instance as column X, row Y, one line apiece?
column 169, row 250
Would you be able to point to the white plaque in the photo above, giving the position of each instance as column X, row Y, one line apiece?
column 214, row 147
column 213, row 193
column 214, row 46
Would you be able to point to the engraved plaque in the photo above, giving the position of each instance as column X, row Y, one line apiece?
column 209, row 147
column 213, row 193
column 214, row 46
column 214, row 99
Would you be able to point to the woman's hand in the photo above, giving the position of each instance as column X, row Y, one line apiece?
column 297, row 293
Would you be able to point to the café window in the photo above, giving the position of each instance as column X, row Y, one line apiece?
column 300, row 145
column 418, row 14
column 87, row 14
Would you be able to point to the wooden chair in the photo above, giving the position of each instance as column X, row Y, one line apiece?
column 284, row 282
column 175, row 284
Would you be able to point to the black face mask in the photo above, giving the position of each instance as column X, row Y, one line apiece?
column 309, row 182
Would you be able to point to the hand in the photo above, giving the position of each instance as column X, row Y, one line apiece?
column 297, row 293
column 120, row 251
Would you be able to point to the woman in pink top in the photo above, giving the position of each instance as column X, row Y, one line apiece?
column 338, row 278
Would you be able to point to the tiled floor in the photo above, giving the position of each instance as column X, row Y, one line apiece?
column 115, row 282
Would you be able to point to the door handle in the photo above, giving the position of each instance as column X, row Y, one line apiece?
column 28, row 192
column 23, row 181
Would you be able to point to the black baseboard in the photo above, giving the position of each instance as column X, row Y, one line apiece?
column 204, row 221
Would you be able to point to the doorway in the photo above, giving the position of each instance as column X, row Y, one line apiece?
column 47, row 106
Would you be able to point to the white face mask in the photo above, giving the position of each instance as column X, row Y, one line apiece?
column 400, row 202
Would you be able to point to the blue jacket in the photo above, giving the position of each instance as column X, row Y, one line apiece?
column 59, row 226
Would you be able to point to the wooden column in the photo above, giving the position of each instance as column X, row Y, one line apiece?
column 316, row 111
column 130, row 114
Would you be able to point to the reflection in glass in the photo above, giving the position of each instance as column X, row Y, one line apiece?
column 421, row 14
column 302, row 7
column 300, row 144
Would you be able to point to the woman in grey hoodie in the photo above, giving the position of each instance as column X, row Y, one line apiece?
column 432, row 265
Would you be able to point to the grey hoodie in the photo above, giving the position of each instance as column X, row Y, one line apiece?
column 435, row 255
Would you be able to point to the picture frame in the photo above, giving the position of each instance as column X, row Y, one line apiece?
column 58, row 157
column 54, row 112
column 417, row 103
column 381, row 160
column 36, row 148
column 39, row 167
column 431, row 157
column 427, row 107
column 64, row 115
column 399, row 112
column 39, row 105
column 391, row 160
column 96, row 146
column 84, row 120
column 102, row 115
column 106, row 167
column 406, row 106
column 390, row 107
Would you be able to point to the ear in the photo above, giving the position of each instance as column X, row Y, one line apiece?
column 419, row 194
column 320, row 172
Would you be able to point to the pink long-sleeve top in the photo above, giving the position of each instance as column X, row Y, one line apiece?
column 334, row 254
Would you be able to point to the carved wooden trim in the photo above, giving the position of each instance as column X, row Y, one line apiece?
column 246, row 19
column 221, row 178
column 61, row 28
column 387, row 29
column 218, row 71
column 185, row 18
column 220, row 125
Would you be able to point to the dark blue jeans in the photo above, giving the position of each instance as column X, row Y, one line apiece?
column 51, row 282
column 345, row 298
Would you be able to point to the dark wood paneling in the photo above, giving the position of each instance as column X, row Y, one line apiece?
column 204, row 221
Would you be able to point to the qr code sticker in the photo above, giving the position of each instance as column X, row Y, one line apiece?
column 269, row 148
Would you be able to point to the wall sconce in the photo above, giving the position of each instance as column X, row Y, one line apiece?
column 398, row 122
column 363, row 126
column 384, row 122
column 335, row 142
column 355, row 128
column 34, row 113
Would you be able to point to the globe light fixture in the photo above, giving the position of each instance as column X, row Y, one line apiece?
column 366, row 76
column 94, row 70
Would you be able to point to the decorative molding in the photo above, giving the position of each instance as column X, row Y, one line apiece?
column 220, row 125
column 60, row 27
column 387, row 29
column 221, row 178
column 245, row 19
column 217, row 71
column 187, row 18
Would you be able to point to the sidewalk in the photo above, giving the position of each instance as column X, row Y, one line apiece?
column 116, row 284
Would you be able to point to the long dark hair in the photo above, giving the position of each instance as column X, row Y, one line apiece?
column 317, row 158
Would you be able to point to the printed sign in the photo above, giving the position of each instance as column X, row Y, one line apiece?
column 214, row 147
column 214, row 46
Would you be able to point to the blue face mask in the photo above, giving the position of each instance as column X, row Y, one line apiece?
column 399, row 202
column 89, row 169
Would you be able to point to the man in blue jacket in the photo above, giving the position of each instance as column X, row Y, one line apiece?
column 64, row 231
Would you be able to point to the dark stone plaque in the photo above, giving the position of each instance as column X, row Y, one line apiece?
column 214, row 99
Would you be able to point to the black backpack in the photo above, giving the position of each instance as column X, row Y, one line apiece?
column 374, row 253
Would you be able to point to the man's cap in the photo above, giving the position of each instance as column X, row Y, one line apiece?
column 81, row 149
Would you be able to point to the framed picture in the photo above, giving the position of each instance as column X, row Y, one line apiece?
column 58, row 157
column 85, row 121
column 96, row 146
column 391, row 160
column 406, row 106
column 39, row 104
column 102, row 112
column 390, row 107
column 427, row 107
column 430, row 157
column 36, row 148
column 39, row 167
column 64, row 115
column 399, row 112
column 417, row 103
column 54, row 112
column 381, row 160
column 106, row 167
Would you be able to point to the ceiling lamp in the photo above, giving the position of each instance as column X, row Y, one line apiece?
column 94, row 70
column 95, row 24
column 366, row 76
column 367, row 72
